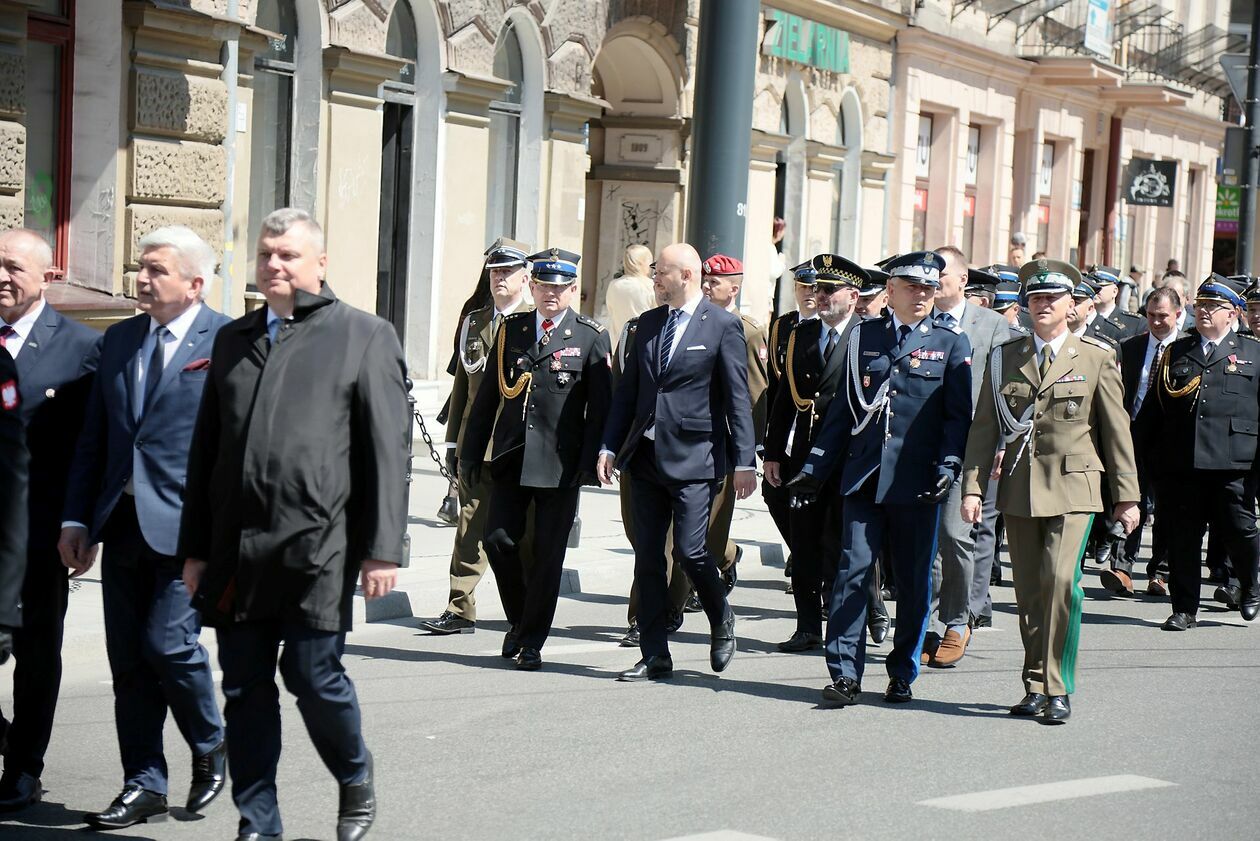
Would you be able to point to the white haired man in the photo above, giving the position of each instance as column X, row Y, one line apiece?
column 126, row 489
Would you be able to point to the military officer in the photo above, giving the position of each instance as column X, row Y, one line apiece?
column 896, row 440
column 873, row 296
column 1197, row 432
column 981, row 287
column 1006, row 299
column 1083, row 319
column 543, row 403
column 1125, row 324
column 806, row 293
column 1057, row 404
column 1252, row 314
column 509, row 267
column 812, row 374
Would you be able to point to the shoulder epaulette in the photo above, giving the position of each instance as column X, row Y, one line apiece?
column 1013, row 339
column 1100, row 341
column 590, row 322
column 518, row 314
column 754, row 323
column 1250, row 336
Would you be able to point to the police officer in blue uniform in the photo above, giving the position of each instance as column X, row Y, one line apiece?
column 897, row 439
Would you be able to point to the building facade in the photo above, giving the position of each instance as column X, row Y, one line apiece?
column 417, row 131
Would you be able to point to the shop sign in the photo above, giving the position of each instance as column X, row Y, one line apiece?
column 808, row 42
column 1098, row 28
column 973, row 156
column 1228, row 199
column 923, row 148
column 1045, row 172
column 921, row 200
column 1150, row 183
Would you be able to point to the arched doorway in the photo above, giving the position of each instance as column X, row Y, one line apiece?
column 790, row 181
column 849, row 176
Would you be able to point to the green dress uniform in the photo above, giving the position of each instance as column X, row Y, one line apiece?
column 1061, row 429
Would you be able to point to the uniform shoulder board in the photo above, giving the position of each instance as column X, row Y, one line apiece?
column 518, row 314
column 1013, row 339
column 1251, row 336
column 750, row 321
column 591, row 323
column 1101, row 341
column 472, row 318
column 631, row 325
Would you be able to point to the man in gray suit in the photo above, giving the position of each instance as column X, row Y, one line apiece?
column 952, row 571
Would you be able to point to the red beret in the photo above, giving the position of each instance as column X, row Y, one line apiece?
column 720, row 264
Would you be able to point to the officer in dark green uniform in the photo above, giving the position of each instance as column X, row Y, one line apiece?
column 543, row 402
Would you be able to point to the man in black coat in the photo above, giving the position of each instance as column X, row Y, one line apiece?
column 543, row 401
column 14, row 466
column 55, row 360
column 295, row 489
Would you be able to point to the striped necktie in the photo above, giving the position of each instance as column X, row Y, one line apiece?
column 667, row 339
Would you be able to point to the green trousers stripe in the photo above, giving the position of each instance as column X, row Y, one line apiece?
column 1072, row 641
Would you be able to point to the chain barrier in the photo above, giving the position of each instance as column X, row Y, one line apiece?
column 428, row 442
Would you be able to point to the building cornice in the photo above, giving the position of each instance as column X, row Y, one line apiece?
column 920, row 43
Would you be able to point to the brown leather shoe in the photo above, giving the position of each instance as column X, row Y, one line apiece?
column 951, row 649
column 1116, row 581
column 930, row 643
column 1156, row 587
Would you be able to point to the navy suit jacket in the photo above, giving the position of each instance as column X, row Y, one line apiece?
column 701, row 406
column 54, row 369
column 153, row 451
column 930, row 412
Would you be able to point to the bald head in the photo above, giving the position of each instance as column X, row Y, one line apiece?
column 677, row 279
column 25, row 272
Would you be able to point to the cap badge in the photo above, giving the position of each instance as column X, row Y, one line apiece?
column 826, row 260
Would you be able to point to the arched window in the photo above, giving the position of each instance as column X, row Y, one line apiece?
column 397, row 149
column 505, row 139
column 271, row 128
column 401, row 40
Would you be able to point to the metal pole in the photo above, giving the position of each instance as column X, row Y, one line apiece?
column 722, row 125
column 1111, row 196
column 231, row 75
column 1251, row 163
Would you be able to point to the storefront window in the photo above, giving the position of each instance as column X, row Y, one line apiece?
column 49, row 71
column 271, row 131
column 505, row 140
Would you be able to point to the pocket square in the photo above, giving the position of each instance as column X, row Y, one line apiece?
column 696, row 347
column 197, row 365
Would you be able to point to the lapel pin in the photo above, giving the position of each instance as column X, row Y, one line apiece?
column 1071, row 351
column 703, row 317
column 50, row 393
column 568, row 333
column 32, row 344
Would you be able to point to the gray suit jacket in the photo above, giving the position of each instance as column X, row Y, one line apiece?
column 986, row 330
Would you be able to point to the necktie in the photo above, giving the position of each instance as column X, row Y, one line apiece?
column 1047, row 359
column 1159, row 355
column 1209, row 349
column 547, row 326
column 902, row 332
column 273, row 329
column 5, row 332
column 947, row 320
column 667, row 339
column 494, row 323
column 157, row 361
column 832, row 339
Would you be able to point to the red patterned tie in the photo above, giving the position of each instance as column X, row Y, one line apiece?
column 5, row 332
column 547, row 326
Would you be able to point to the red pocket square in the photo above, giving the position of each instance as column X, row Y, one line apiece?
column 197, row 365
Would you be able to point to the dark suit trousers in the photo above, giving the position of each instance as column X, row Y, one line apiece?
column 988, row 545
column 312, row 672
column 911, row 532
column 151, row 637
column 1189, row 502
column 778, row 504
column 1158, row 564
column 659, row 502
column 816, row 545
column 37, row 666
column 529, row 599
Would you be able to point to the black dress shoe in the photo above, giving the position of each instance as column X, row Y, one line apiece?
column 631, row 639
column 722, row 642
column 801, row 641
column 356, row 808
column 209, row 771
column 448, row 511
column 842, row 693
column 135, row 805
column 449, row 623
column 692, row 605
column 731, row 576
column 1034, row 703
column 19, row 790
column 510, row 646
column 981, row 622
column 258, row 836
column 673, row 622
column 656, row 667
column 1250, row 605
column 529, row 660
column 877, row 627
column 898, row 691
column 1058, row 710
column 1229, row 596
column 1178, row 622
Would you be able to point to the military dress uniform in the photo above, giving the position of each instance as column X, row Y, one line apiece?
column 1062, row 421
column 543, row 403
column 1197, row 430
column 813, row 372
column 468, row 558
column 1124, row 324
column 896, row 440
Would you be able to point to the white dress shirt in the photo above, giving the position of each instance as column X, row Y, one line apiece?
column 827, row 331
column 1056, row 345
column 22, row 329
column 897, row 322
column 1144, row 376
column 956, row 313
column 539, row 318
column 179, row 327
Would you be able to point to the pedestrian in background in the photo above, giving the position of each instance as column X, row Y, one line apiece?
column 631, row 294
column 296, row 488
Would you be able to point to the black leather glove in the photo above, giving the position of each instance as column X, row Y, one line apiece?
column 940, row 490
column 6, row 644
column 470, row 470
column 803, row 490
column 452, row 462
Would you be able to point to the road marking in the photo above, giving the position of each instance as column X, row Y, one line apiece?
column 1004, row 798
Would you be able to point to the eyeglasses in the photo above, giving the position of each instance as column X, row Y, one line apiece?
column 1212, row 306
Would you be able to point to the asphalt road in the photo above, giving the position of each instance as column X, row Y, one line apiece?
column 1161, row 744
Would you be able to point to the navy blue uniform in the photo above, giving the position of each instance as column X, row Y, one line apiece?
column 900, row 419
